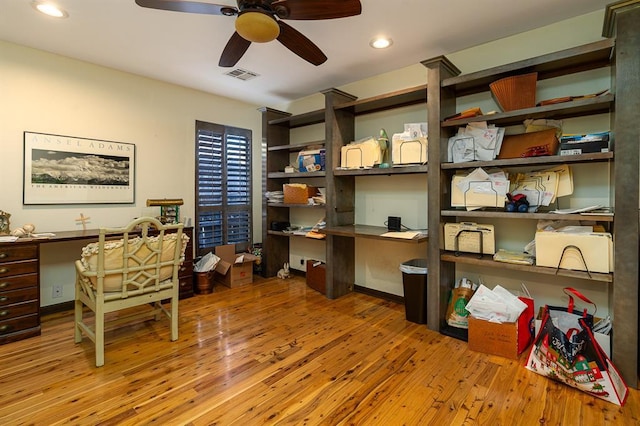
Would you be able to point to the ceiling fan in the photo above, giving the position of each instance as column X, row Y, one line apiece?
column 261, row 21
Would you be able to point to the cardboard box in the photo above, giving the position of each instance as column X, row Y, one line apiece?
column 298, row 193
column 311, row 160
column 316, row 275
column 576, row 148
column 583, row 144
column 233, row 270
column 509, row 339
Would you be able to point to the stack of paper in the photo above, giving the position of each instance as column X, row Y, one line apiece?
column 479, row 189
column 475, row 142
column 543, row 187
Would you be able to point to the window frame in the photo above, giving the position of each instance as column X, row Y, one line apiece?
column 231, row 140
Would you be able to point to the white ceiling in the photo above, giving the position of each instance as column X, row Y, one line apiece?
column 184, row 49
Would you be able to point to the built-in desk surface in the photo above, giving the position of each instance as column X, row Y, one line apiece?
column 20, row 280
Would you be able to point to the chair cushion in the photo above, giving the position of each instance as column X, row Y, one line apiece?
column 113, row 258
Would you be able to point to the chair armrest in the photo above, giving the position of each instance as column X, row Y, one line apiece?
column 80, row 269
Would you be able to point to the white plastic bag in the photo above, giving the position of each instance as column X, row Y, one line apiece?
column 208, row 263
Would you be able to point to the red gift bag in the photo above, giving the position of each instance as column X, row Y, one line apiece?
column 565, row 350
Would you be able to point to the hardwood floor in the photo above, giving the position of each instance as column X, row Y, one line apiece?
column 278, row 352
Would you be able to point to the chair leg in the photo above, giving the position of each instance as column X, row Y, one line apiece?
column 174, row 318
column 157, row 307
column 77, row 321
column 99, row 330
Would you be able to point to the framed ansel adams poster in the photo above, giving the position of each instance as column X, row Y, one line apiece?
column 69, row 170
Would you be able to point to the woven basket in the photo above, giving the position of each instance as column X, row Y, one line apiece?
column 516, row 92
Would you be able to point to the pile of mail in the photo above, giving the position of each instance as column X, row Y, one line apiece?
column 497, row 305
column 479, row 189
column 543, row 187
column 363, row 153
column 575, row 247
column 475, row 142
column 410, row 146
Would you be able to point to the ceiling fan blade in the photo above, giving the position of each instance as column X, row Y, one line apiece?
column 293, row 40
column 233, row 51
column 189, row 7
column 317, row 9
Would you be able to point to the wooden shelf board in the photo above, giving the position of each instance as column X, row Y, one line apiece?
column 283, row 175
column 308, row 206
column 532, row 161
column 576, row 59
column 295, row 147
column 299, row 120
column 500, row 214
column 487, row 260
column 589, row 106
column 288, row 235
column 422, row 168
column 456, row 333
column 366, row 231
column 410, row 96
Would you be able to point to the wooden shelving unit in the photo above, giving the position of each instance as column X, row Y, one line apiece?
column 445, row 86
column 368, row 231
column 341, row 230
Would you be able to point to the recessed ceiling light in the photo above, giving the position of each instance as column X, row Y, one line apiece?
column 50, row 9
column 381, row 43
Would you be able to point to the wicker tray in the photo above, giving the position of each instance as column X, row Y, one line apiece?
column 515, row 92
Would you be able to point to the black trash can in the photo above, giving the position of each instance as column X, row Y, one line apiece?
column 414, row 282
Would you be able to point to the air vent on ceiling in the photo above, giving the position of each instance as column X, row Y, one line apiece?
column 241, row 74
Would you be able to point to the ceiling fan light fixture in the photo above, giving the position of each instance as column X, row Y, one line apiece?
column 257, row 27
column 49, row 9
column 381, row 42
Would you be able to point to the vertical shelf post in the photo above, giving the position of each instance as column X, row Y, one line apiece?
column 340, row 251
column 621, row 22
column 440, row 104
column 275, row 251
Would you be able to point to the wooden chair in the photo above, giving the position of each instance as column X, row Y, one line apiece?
column 129, row 267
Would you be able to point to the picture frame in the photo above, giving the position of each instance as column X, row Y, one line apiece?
column 62, row 169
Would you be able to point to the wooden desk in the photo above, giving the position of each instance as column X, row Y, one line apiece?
column 20, row 281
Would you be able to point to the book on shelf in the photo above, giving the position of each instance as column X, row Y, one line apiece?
column 467, row 113
column 405, row 235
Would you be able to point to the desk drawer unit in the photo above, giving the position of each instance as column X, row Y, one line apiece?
column 19, row 291
column 185, row 274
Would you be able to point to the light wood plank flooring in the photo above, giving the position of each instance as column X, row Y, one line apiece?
column 277, row 352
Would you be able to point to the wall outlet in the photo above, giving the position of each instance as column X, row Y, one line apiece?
column 57, row 291
column 298, row 263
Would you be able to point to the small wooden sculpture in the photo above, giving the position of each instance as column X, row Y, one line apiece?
column 82, row 219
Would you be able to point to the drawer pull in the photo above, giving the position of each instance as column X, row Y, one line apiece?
column 4, row 255
column 4, row 270
column 4, row 299
column 4, row 328
column 4, row 284
column 4, row 313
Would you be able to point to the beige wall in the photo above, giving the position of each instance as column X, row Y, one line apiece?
column 377, row 264
column 47, row 93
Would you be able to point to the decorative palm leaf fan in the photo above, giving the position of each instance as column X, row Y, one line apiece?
column 261, row 21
